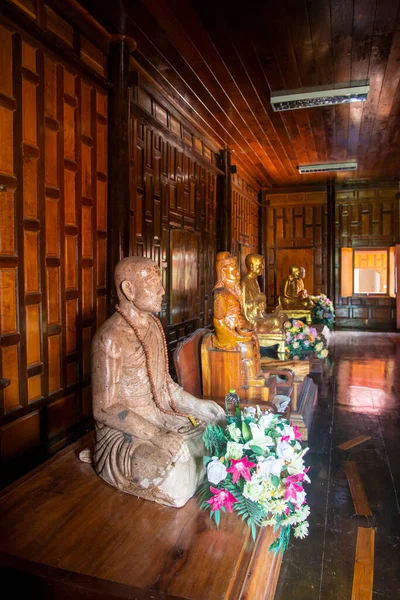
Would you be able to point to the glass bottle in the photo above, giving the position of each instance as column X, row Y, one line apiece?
column 232, row 404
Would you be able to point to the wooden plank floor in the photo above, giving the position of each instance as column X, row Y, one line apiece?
column 359, row 395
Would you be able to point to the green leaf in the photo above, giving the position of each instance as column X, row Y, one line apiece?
column 275, row 480
column 217, row 517
column 257, row 450
column 206, row 460
column 215, row 440
column 246, row 432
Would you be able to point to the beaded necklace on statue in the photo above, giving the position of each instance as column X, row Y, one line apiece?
column 154, row 393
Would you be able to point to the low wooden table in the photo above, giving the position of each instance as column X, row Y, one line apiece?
column 67, row 534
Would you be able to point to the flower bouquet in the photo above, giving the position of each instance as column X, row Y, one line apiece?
column 324, row 312
column 300, row 339
column 255, row 467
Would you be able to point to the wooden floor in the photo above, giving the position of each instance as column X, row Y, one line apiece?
column 348, row 554
column 62, row 518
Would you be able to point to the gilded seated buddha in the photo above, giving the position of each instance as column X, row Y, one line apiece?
column 254, row 301
column 293, row 298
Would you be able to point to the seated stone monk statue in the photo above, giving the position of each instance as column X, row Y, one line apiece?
column 232, row 330
column 254, row 301
column 292, row 295
column 146, row 444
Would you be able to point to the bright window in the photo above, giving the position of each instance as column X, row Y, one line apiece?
column 367, row 271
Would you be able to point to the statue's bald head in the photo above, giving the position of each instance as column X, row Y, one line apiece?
column 295, row 271
column 133, row 269
column 253, row 259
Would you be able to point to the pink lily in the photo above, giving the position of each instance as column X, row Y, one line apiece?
column 221, row 498
column 291, row 491
column 292, row 487
column 285, row 438
column 297, row 434
column 295, row 478
column 241, row 468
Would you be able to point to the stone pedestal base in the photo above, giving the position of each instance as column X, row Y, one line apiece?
column 304, row 397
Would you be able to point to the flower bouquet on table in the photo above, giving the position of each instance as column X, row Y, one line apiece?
column 301, row 339
column 324, row 312
column 255, row 468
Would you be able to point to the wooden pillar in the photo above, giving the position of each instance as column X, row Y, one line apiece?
column 119, row 192
column 224, row 204
column 262, row 242
column 331, row 196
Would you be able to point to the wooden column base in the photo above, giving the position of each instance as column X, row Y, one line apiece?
column 304, row 398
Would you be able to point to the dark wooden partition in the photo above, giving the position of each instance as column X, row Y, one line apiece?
column 173, row 207
column 53, row 227
column 296, row 225
column 365, row 218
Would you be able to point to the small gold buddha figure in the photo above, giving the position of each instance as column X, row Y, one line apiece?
column 292, row 295
column 254, row 301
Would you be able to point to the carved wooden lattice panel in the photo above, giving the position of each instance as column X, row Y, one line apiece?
column 365, row 218
column 173, row 186
column 53, row 172
column 296, row 225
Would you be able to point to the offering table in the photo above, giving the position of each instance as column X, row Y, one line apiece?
column 66, row 532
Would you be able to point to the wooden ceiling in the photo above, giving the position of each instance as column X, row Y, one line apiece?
column 220, row 60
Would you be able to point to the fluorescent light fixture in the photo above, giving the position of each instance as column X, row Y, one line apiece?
column 324, row 95
column 322, row 168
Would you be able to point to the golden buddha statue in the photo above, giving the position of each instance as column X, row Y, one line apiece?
column 293, row 298
column 254, row 301
column 240, row 365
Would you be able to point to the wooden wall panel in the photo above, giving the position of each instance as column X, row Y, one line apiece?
column 245, row 219
column 296, row 233
column 53, row 240
column 365, row 218
column 173, row 187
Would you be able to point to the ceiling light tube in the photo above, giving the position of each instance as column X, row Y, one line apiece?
column 322, row 168
column 353, row 91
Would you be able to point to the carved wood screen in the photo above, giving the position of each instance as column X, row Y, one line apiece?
column 245, row 215
column 365, row 218
column 53, row 229
column 296, row 234
column 173, row 186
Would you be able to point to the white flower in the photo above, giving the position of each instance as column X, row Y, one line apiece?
column 250, row 411
column 266, row 420
column 234, row 451
column 269, row 466
column 300, row 498
column 319, row 346
column 234, row 432
column 296, row 344
column 324, row 353
column 285, row 451
column 303, row 512
column 301, row 531
column 252, row 490
column 216, row 471
column 258, row 437
column 287, row 430
column 296, row 464
column 306, row 330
